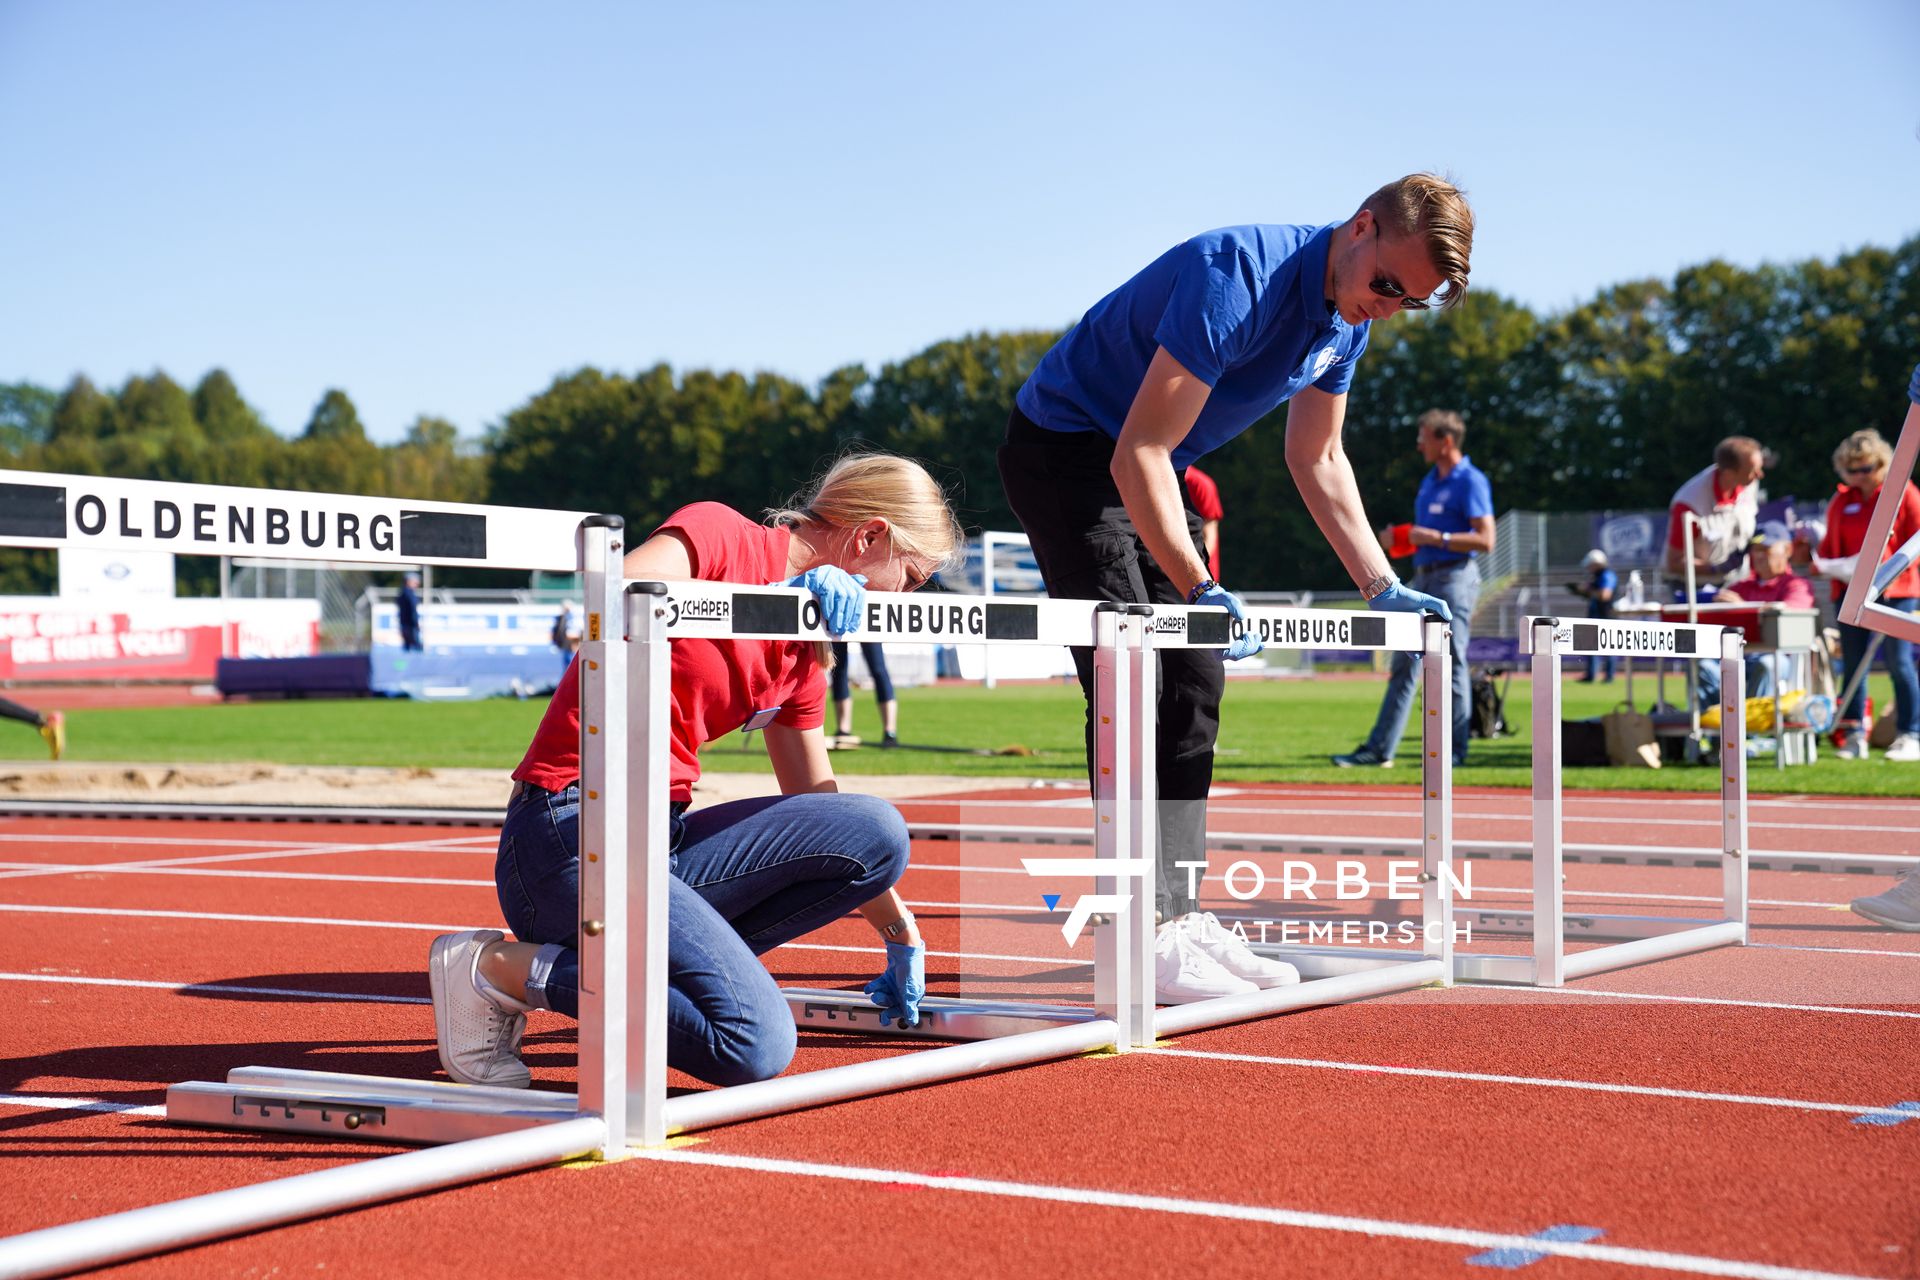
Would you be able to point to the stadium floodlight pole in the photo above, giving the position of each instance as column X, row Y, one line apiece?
column 1549, row 882
column 649, row 766
column 1861, row 606
column 1436, row 794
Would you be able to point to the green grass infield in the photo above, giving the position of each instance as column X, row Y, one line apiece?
column 1272, row 731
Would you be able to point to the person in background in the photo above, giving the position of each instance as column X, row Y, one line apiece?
column 876, row 657
column 1453, row 522
column 1203, row 495
column 51, row 724
column 1773, row 582
column 1898, row 907
column 1725, row 501
column 1203, row 342
column 1599, row 589
column 1862, row 460
column 409, row 605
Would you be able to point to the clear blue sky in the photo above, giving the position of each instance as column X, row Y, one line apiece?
column 438, row 207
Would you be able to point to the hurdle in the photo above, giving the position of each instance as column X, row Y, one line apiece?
column 1334, row 974
column 1639, row 938
column 1861, row 606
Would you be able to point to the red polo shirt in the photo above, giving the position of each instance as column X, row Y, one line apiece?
column 1847, row 516
column 717, row 684
column 1205, row 496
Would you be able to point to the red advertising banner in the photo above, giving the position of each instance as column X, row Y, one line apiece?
column 166, row 640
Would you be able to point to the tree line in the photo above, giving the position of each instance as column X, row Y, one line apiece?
column 1610, row 404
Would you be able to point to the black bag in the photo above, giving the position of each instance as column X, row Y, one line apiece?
column 1489, row 703
column 1583, row 743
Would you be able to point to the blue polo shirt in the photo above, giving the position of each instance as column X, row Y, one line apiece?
column 1450, row 506
column 1243, row 309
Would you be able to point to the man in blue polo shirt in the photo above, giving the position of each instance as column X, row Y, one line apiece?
column 1210, row 337
column 1452, row 523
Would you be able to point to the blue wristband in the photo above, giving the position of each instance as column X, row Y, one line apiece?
column 1201, row 588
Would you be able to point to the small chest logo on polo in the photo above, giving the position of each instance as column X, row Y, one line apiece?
column 1318, row 363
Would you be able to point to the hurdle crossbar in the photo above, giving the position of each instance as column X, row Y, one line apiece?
column 1862, row 606
column 1547, row 640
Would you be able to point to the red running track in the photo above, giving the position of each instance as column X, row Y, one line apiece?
column 1702, row 1113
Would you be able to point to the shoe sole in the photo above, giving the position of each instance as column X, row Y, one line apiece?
column 1887, row 922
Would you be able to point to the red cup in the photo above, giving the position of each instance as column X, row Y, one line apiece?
column 1402, row 541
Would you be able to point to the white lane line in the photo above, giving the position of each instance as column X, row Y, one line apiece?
column 32, row 909
column 1527, row 891
column 237, row 917
column 1380, row 1228
column 1571, row 820
column 37, row 1102
column 297, row 851
column 191, row 842
column 1539, row 1082
column 224, row 988
column 1834, row 951
column 139, row 869
column 1743, row 1004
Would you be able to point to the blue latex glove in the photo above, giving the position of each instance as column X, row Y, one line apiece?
column 903, row 986
column 842, row 595
column 1401, row 598
column 1913, row 388
column 1219, row 597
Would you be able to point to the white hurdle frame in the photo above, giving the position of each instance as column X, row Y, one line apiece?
column 40, row 509
column 1335, row 974
column 1861, row 606
column 1547, row 640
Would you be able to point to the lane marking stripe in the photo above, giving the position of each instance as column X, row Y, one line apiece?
column 1538, row 1082
column 37, row 1103
column 224, row 988
column 1693, row 1264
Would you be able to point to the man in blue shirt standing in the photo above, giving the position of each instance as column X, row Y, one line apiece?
column 1210, row 337
column 1452, row 523
column 1600, row 587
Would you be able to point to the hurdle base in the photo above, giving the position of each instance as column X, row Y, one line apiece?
column 941, row 1017
column 1499, row 923
column 379, row 1111
column 1523, row 970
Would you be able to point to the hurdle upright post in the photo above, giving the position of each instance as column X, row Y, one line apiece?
column 1144, row 794
column 1114, row 761
column 604, row 925
column 649, row 764
column 1436, row 794
column 1733, row 774
column 1549, row 888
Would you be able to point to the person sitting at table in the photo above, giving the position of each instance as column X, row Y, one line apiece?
column 1773, row 582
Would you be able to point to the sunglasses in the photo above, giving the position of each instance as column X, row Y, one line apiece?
column 1867, row 470
column 1387, row 287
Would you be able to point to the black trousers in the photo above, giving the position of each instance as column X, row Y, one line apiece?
column 1060, row 485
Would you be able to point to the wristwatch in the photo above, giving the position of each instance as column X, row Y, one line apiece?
column 899, row 930
column 1379, row 586
column 1446, row 539
column 1201, row 588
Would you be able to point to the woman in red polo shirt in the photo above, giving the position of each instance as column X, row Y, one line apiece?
column 1862, row 461
column 749, row 875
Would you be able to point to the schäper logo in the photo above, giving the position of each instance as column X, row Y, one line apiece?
column 1127, row 869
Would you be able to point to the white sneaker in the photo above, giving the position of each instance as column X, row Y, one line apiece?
column 1905, row 747
column 1183, row 973
column 479, row 1036
column 1232, row 953
column 1855, row 748
column 1897, row 908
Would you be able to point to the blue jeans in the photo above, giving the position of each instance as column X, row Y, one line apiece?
column 1761, row 671
column 747, row 876
column 1899, row 657
column 876, row 656
column 1459, row 585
